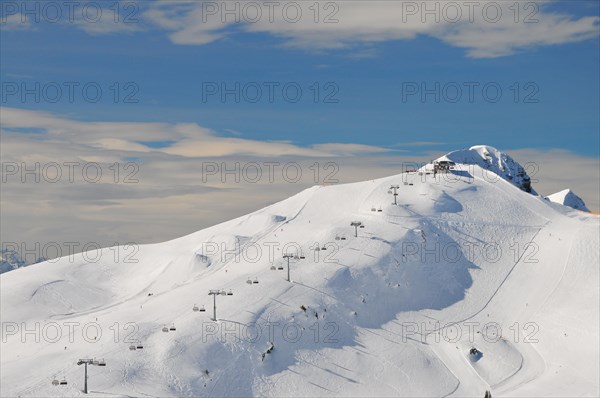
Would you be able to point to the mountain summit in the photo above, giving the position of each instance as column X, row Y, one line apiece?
column 567, row 197
column 491, row 159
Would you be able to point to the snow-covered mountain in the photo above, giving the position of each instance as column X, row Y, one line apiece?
column 10, row 260
column 469, row 284
column 567, row 197
column 499, row 164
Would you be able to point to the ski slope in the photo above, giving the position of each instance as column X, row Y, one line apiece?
column 463, row 261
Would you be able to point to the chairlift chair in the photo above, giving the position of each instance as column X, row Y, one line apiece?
column 139, row 347
column 362, row 226
column 302, row 257
column 255, row 280
column 55, row 382
column 202, row 309
column 230, row 293
column 343, row 238
column 172, row 328
column 63, row 382
column 101, row 363
column 249, row 281
column 195, row 309
column 273, row 268
column 132, row 347
column 337, row 237
column 165, row 329
column 324, row 248
column 379, row 210
column 280, row 268
column 372, row 209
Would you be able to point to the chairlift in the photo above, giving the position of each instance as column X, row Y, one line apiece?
column 139, row 347
column 165, row 329
column 302, row 257
column 132, row 347
column 337, row 237
column 343, row 238
column 280, row 268
column 55, row 382
column 172, row 328
column 405, row 182
column 101, row 363
column 411, row 184
column 255, row 280
column 273, row 268
column 202, row 309
column 324, row 248
column 372, row 209
column 379, row 210
column 195, row 309
column 390, row 191
column 249, row 281
column 362, row 226
column 317, row 248
column 229, row 293
column 63, row 382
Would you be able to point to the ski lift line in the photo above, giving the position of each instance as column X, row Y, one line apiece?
column 66, row 371
column 40, row 384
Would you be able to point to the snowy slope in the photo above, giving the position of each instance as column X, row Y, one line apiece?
column 567, row 197
column 463, row 261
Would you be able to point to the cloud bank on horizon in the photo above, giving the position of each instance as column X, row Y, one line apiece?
column 177, row 186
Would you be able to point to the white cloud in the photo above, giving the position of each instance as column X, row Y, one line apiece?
column 484, row 29
column 186, row 22
column 190, row 139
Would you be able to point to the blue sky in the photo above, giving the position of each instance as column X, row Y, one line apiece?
column 371, row 76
